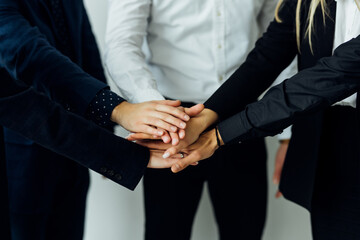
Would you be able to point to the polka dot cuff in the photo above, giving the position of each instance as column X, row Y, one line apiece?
column 101, row 107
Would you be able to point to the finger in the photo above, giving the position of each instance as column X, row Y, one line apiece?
column 181, row 108
column 141, row 136
column 153, row 121
column 150, row 130
column 174, row 138
column 194, row 110
column 181, row 133
column 172, row 111
column 166, row 137
column 171, row 151
column 169, row 119
column 185, row 162
column 156, row 160
column 154, row 145
column 195, row 164
column 173, row 103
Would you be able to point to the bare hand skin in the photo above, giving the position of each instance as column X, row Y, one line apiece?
column 202, row 149
column 279, row 163
column 168, row 137
column 148, row 116
column 157, row 161
column 195, row 127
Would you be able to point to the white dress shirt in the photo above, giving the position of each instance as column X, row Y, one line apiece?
column 347, row 26
column 182, row 49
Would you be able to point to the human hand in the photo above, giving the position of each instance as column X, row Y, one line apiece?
column 279, row 163
column 157, row 161
column 202, row 149
column 195, row 127
column 148, row 116
column 168, row 137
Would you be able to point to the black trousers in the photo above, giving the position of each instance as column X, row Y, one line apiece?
column 236, row 177
column 47, row 193
column 335, row 211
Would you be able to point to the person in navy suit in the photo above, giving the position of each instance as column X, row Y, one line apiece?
column 52, row 81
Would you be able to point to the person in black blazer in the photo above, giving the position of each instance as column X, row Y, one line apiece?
column 48, row 58
column 322, row 167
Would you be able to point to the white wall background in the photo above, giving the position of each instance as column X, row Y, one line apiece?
column 115, row 213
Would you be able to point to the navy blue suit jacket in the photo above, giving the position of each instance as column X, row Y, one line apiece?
column 35, row 78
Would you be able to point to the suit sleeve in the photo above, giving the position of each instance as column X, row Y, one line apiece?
column 91, row 57
column 28, row 57
column 329, row 81
column 273, row 52
column 36, row 117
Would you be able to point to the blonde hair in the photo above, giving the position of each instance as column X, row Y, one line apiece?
column 310, row 21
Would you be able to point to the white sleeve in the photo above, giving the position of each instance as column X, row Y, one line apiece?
column 267, row 14
column 124, row 59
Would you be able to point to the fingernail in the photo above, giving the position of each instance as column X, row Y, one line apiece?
column 174, row 129
column 182, row 125
column 181, row 135
column 186, row 117
column 175, row 168
column 174, row 141
column 160, row 133
column 166, row 139
column 166, row 155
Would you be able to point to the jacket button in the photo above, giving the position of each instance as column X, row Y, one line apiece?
column 118, row 177
column 103, row 170
column 111, row 173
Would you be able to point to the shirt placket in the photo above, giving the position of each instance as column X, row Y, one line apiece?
column 219, row 24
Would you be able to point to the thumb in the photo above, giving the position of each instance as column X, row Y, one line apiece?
column 194, row 110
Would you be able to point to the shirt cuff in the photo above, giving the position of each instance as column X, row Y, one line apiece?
column 286, row 134
column 234, row 129
column 101, row 107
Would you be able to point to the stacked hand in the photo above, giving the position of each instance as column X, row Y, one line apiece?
column 163, row 124
column 193, row 144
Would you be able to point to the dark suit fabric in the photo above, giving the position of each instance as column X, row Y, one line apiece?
column 324, row 79
column 4, row 200
column 47, row 191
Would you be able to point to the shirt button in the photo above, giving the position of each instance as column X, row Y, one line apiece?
column 221, row 78
column 219, row 13
column 219, row 46
column 103, row 170
column 118, row 176
column 240, row 142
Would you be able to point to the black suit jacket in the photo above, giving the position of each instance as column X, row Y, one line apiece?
column 323, row 80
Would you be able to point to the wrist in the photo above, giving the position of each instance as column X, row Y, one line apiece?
column 118, row 111
column 207, row 117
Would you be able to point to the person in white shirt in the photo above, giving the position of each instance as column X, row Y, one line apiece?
column 322, row 101
column 185, row 50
